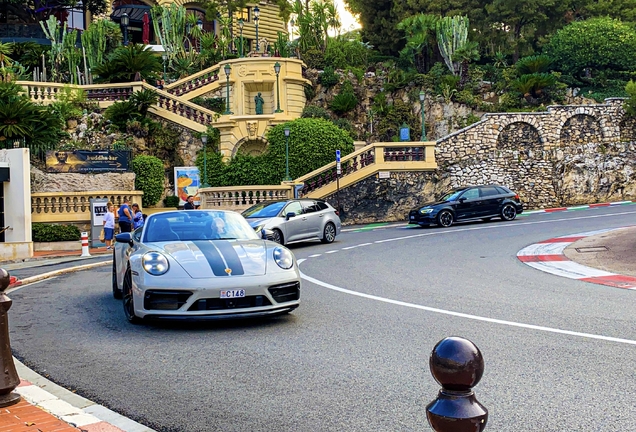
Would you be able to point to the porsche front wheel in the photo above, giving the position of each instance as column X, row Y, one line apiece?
column 129, row 301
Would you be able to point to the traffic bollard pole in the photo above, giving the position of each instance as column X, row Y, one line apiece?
column 85, row 252
column 457, row 365
column 10, row 379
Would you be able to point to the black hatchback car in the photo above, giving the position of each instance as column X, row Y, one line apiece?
column 472, row 202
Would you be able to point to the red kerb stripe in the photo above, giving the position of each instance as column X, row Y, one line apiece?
column 600, row 205
column 563, row 239
column 618, row 281
column 555, row 209
column 542, row 258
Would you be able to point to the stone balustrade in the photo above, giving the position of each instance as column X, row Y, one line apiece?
column 386, row 156
column 73, row 207
column 193, row 82
column 239, row 198
column 45, row 92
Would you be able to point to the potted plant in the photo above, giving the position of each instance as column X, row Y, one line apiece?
column 171, row 201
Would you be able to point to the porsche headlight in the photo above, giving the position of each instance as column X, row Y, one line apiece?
column 426, row 210
column 283, row 258
column 155, row 263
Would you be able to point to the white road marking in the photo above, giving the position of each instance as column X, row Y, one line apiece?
column 332, row 251
column 467, row 316
column 314, row 256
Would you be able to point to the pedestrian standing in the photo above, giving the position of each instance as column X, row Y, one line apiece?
column 109, row 226
column 189, row 205
column 125, row 216
column 138, row 217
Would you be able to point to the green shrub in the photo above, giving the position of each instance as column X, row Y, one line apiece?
column 310, row 92
column 329, row 77
column 171, row 201
column 314, row 111
column 42, row 232
column 120, row 113
column 215, row 104
column 342, row 53
column 344, row 101
column 594, row 44
column 149, row 177
column 534, row 64
column 313, row 58
column 398, row 114
column 347, row 126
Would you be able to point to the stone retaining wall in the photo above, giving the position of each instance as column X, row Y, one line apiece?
column 566, row 156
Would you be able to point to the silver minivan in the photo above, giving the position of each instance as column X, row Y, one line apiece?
column 295, row 220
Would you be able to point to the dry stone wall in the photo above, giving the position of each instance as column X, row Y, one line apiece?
column 566, row 156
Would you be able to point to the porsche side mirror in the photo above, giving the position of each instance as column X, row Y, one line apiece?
column 290, row 215
column 267, row 234
column 124, row 238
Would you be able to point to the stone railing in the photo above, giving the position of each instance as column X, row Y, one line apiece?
column 193, row 82
column 45, row 92
column 184, row 108
column 239, row 198
column 73, row 206
column 398, row 156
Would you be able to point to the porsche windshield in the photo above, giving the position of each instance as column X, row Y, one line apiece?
column 264, row 210
column 197, row 225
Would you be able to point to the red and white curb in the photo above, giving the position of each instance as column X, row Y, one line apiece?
column 548, row 257
column 580, row 207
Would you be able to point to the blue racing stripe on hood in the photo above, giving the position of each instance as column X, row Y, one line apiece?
column 232, row 259
column 213, row 256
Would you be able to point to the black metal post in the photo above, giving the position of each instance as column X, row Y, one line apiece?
column 457, row 365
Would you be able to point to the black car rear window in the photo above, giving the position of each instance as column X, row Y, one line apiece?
column 502, row 190
column 489, row 191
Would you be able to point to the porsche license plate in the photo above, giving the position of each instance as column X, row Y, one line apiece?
column 232, row 293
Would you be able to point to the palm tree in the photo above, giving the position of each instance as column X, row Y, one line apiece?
column 5, row 50
column 129, row 63
column 333, row 18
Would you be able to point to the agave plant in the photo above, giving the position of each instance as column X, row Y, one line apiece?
column 129, row 63
column 121, row 112
column 533, row 85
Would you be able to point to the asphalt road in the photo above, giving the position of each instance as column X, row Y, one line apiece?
column 354, row 356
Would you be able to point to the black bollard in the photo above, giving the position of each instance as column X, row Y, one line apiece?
column 457, row 365
column 10, row 378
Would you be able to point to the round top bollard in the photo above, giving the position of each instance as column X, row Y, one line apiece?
column 5, row 280
column 457, row 365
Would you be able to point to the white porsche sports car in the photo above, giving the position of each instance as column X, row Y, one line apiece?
column 201, row 264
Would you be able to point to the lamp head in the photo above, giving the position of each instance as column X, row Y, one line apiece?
column 204, row 138
column 241, row 23
column 286, row 131
column 227, row 69
column 125, row 20
column 164, row 56
column 277, row 68
column 257, row 12
column 200, row 24
column 422, row 96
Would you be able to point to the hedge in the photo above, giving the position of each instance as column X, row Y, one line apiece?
column 42, row 232
column 149, row 178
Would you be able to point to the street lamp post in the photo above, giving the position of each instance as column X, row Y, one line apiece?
column 228, row 70
column 125, row 21
column 198, row 42
column 257, row 12
column 241, row 23
column 164, row 57
column 277, row 70
column 204, row 140
column 287, row 177
column 422, row 97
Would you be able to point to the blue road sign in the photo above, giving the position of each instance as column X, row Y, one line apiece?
column 337, row 155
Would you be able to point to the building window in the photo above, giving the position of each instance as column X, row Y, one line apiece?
column 245, row 13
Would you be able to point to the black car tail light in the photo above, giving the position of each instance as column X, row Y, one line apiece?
column 285, row 292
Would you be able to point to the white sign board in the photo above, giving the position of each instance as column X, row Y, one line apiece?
column 98, row 209
column 384, row 174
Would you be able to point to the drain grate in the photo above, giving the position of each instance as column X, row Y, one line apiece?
column 592, row 249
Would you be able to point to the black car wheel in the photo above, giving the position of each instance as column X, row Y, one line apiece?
column 329, row 233
column 129, row 302
column 277, row 236
column 445, row 218
column 116, row 291
column 508, row 212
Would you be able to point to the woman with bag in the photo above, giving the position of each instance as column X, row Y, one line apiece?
column 109, row 226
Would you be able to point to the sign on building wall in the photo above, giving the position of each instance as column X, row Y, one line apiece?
column 84, row 161
column 186, row 182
